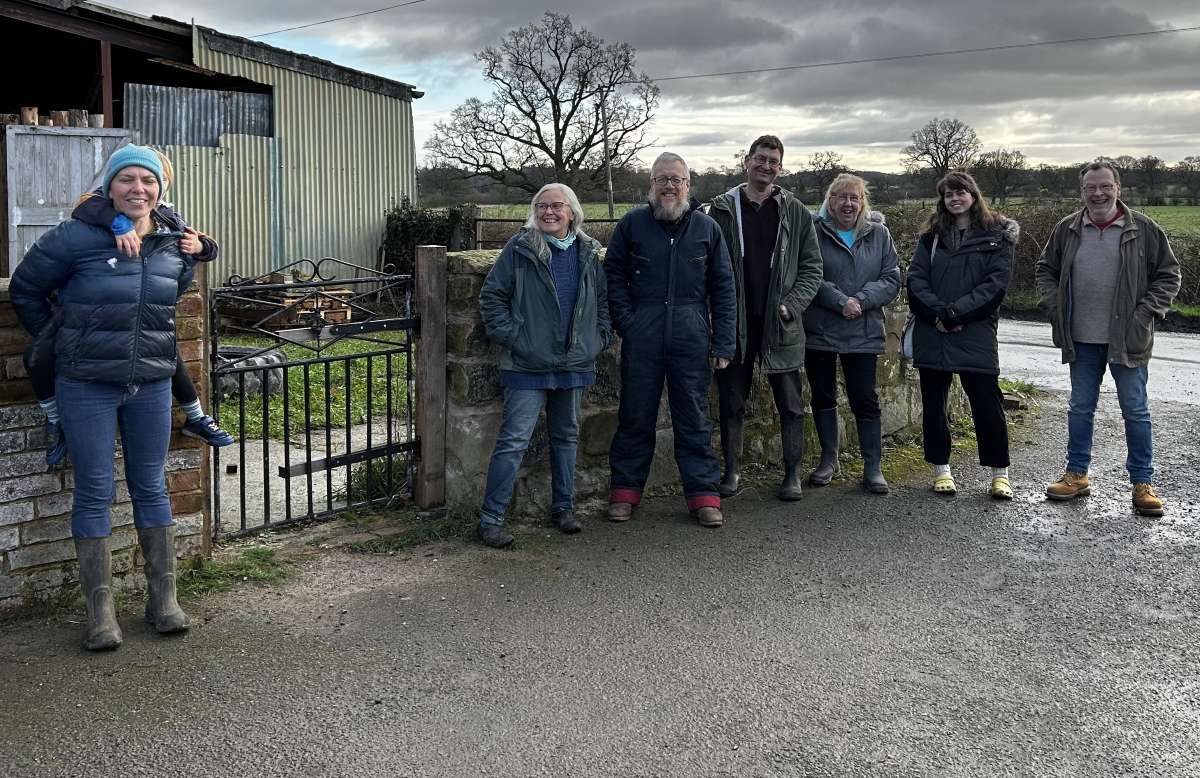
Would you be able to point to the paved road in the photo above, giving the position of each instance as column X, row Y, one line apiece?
column 847, row 635
column 1028, row 354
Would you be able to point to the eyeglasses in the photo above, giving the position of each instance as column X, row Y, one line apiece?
column 1093, row 188
column 759, row 159
column 551, row 206
column 672, row 180
column 847, row 198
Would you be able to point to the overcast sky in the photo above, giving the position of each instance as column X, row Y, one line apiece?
column 1062, row 103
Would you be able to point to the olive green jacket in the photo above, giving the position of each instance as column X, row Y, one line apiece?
column 1147, row 282
column 796, row 273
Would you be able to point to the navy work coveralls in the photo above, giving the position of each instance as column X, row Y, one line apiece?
column 672, row 299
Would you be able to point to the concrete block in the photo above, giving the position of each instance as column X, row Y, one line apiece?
column 29, row 486
column 462, row 293
column 14, row 465
column 466, row 338
column 45, row 530
column 11, row 442
column 182, row 460
column 14, row 416
column 41, row 554
column 16, row 512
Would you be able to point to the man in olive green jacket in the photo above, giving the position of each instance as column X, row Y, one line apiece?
column 1106, row 275
column 777, row 270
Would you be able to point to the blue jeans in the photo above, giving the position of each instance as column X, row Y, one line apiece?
column 521, row 409
column 91, row 413
column 1087, row 372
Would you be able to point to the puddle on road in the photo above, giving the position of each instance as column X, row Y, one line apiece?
column 1044, row 518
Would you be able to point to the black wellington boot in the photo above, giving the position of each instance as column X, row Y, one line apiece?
column 731, row 451
column 792, row 433
column 871, row 444
column 826, row 423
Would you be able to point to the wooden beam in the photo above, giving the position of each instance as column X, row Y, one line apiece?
column 159, row 43
column 106, row 83
column 430, row 283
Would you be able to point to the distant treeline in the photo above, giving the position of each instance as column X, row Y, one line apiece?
column 441, row 186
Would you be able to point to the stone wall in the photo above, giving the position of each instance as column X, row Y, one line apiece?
column 37, row 554
column 474, row 406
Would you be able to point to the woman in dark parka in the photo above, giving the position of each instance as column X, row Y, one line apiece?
column 956, row 282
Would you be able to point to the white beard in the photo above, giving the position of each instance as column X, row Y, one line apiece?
column 664, row 213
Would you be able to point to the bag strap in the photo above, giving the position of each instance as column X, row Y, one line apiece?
column 933, row 250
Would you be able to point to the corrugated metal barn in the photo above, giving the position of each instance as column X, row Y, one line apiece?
column 280, row 156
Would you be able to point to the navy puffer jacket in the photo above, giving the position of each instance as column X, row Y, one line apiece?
column 116, row 313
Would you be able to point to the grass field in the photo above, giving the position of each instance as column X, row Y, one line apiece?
column 1175, row 218
column 521, row 211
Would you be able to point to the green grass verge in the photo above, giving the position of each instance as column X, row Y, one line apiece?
column 376, row 391
column 225, row 572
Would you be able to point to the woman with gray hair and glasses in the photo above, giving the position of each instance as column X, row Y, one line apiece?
column 545, row 302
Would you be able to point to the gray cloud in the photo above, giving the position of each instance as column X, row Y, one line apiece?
column 1058, row 101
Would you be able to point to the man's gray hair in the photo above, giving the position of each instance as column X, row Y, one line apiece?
column 667, row 158
column 535, row 232
column 1101, row 164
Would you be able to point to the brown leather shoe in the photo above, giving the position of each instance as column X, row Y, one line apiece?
column 709, row 516
column 1069, row 486
column 1145, row 501
column 620, row 511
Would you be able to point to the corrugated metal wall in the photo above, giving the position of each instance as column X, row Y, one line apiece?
column 228, row 192
column 179, row 116
column 343, row 157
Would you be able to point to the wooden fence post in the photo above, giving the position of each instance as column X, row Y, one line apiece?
column 430, row 284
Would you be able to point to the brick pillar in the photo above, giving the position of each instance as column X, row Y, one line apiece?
column 36, row 551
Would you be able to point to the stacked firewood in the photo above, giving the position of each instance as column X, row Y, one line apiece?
column 75, row 117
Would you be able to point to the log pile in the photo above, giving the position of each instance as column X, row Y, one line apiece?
column 288, row 309
column 75, row 117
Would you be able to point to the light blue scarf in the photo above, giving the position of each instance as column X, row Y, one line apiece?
column 562, row 244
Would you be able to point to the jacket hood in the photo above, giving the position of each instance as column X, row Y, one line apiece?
column 726, row 200
column 1011, row 229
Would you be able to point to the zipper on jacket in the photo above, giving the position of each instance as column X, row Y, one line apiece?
column 137, row 329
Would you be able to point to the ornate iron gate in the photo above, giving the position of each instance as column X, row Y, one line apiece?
column 313, row 376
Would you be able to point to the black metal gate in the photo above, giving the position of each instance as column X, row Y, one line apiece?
column 312, row 373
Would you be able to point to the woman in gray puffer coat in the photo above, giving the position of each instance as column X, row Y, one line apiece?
column 956, row 282
column 845, row 321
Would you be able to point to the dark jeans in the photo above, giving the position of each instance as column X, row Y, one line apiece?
column 39, row 364
column 987, row 410
column 91, row 414
column 859, row 372
column 521, row 410
column 734, row 382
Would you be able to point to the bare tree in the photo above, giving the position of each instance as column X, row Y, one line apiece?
column 824, row 166
column 1151, row 170
column 1188, row 174
column 1000, row 172
column 546, row 120
column 944, row 144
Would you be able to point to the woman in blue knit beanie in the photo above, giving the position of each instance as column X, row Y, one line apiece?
column 545, row 302
column 115, row 354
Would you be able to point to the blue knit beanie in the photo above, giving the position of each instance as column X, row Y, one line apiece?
column 132, row 156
